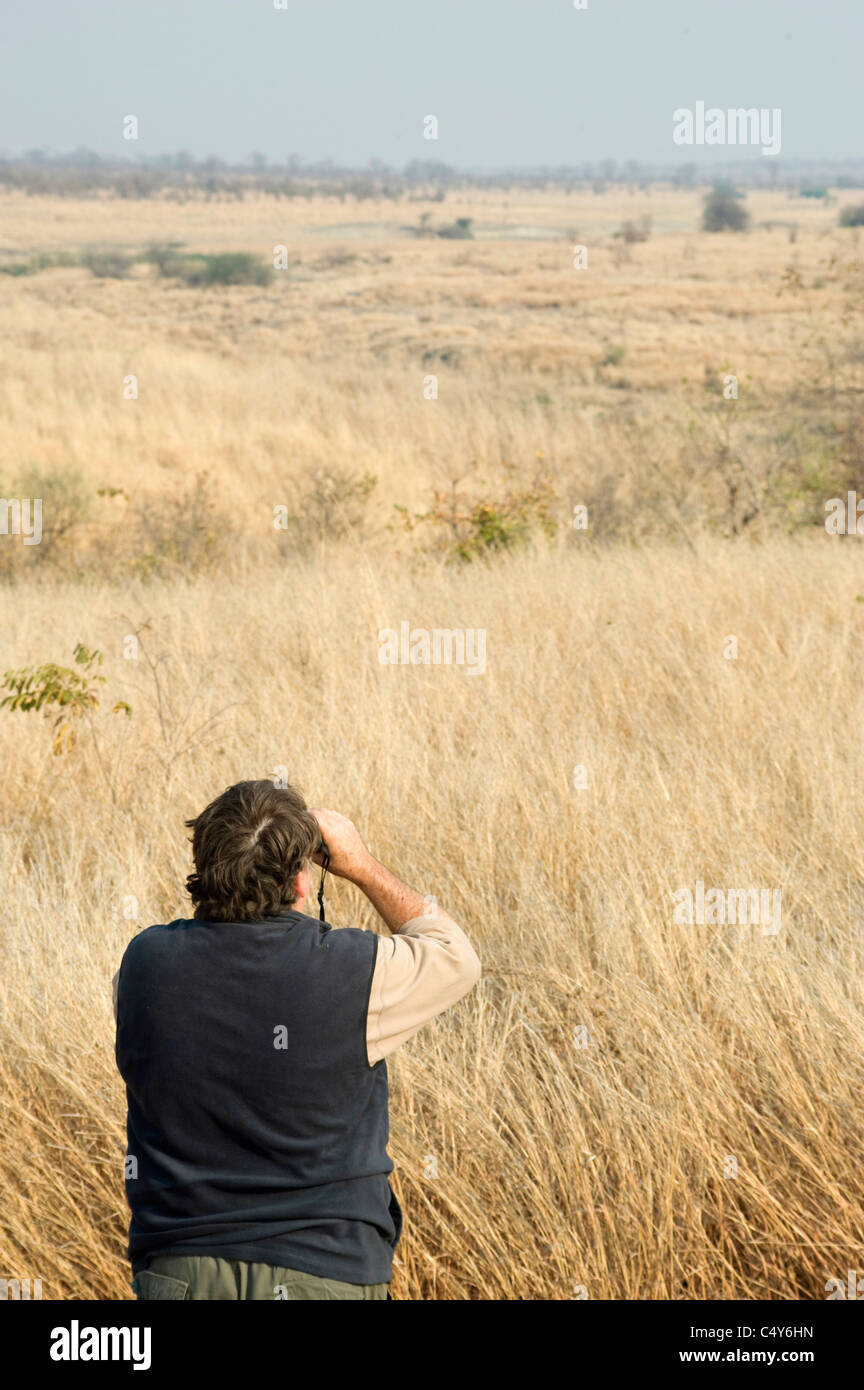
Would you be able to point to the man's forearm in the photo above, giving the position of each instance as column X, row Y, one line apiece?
column 349, row 858
column 392, row 899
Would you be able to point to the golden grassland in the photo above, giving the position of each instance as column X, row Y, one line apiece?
column 326, row 367
column 560, row 1167
column 601, row 1167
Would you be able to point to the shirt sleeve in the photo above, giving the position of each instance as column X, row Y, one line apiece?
column 419, row 972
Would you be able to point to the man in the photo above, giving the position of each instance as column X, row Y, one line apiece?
column 252, row 1040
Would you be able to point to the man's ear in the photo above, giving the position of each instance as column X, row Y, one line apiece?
column 303, row 884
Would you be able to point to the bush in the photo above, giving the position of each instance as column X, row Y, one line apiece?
column 614, row 355
column 180, row 533
column 424, row 225
column 66, row 504
column 853, row 216
column 333, row 504
column 225, row 268
column 723, row 211
column 469, row 528
column 460, row 230
column 40, row 262
column 232, row 268
column 108, row 265
column 164, row 255
column 635, row 231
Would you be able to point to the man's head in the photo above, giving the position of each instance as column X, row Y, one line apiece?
column 251, row 849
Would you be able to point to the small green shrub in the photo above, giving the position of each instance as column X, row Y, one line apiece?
column 44, row 261
column 225, row 268
column 74, row 694
column 614, row 355
column 853, row 216
column 469, row 528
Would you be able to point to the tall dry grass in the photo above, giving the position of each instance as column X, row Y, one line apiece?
column 558, row 1167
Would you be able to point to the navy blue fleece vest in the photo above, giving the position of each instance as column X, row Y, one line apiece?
column 256, row 1128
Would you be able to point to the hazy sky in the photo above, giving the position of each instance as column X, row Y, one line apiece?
column 512, row 82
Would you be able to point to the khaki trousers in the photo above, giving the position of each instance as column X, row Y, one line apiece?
column 198, row 1277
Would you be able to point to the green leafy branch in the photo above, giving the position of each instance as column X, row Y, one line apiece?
column 68, row 694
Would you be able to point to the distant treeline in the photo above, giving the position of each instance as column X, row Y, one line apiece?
column 83, row 173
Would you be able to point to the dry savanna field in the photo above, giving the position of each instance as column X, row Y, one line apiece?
column 397, row 428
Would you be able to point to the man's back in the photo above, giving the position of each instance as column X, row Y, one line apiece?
column 257, row 1129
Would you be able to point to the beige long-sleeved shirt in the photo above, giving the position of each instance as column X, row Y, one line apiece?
column 423, row 969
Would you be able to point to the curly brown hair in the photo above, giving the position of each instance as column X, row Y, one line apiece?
column 249, row 845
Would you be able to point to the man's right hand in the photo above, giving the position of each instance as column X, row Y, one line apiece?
column 394, row 901
column 349, row 857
